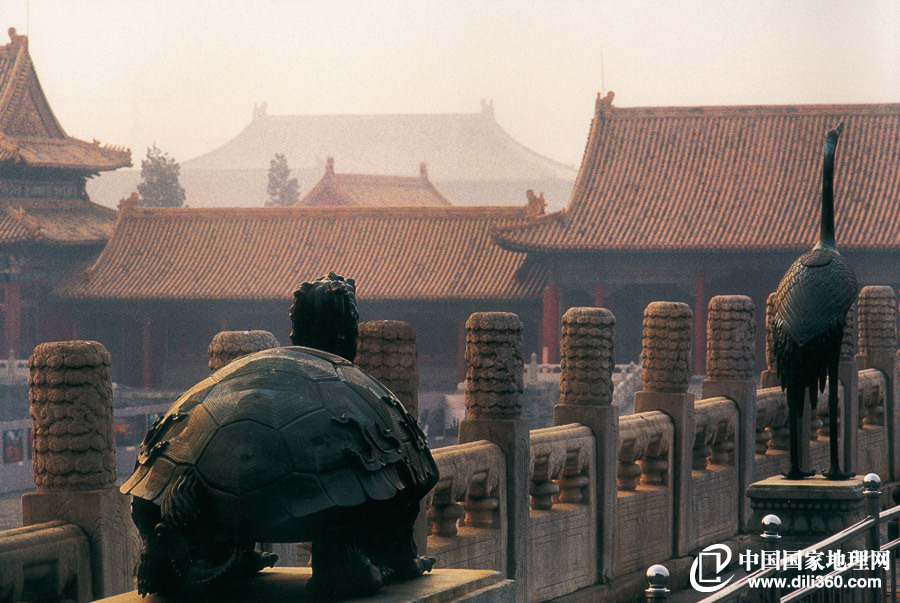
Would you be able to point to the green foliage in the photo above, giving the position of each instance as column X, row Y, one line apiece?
column 159, row 185
column 283, row 190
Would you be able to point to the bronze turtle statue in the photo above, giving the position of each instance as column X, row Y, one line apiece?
column 284, row 445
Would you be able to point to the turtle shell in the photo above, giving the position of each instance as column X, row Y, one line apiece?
column 283, row 434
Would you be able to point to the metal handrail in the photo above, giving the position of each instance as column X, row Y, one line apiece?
column 658, row 575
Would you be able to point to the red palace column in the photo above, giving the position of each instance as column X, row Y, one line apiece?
column 599, row 295
column 12, row 310
column 550, row 324
column 700, row 302
column 146, row 351
column 461, row 348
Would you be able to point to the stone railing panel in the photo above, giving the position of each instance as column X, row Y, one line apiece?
column 715, row 423
column 45, row 562
column 645, row 524
column 872, row 395
column 716, row 487
column 558, row 453
column 467, row 507
column 771, row 421
column 562, row 553
column 872, row 444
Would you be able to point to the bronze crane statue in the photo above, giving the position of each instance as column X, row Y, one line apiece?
column 812, row 302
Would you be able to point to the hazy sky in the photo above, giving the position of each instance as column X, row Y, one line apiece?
column 186, row 74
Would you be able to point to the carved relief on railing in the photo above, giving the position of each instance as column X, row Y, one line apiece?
column 50, row 561
column 715, row 422
column 772, row 432
column 872, row 392
column 644, row 448
column 560, row 465
column 468, row 492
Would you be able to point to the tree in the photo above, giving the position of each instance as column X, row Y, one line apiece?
column 283, row 190
column 159, row 185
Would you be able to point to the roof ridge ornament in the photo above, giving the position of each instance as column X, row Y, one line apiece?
column 129, row 202
column 259, row 110
column 604, row 103
column 536, row 204
column 15, row 39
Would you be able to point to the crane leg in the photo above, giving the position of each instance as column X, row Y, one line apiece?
column 834, row 472
column 795, row 413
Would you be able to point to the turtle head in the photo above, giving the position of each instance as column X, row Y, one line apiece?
column 324, row 315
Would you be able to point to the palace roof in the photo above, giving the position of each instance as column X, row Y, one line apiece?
column 373, row 190
column 67, row 221
column 29, row 132
column 424, row 253
column 725, row 178
column 456, row 146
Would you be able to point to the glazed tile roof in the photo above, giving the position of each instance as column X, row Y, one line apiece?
column 65, row 221
column 727, row 178
column 428, row 253
column 29, row 132
column 372, row 190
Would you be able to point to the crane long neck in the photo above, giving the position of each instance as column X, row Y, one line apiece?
column 826, row 230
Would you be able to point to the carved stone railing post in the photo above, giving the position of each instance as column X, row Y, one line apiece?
column 769, row 377
column 729, row 367
column 878, row 350
column 587, row 361
column 227, row 346
column 387, row 351
column 665, row 376
column 495, row 366
column 848, row 375
column 74, row 454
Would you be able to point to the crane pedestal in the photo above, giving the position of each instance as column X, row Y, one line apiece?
column 809, row 509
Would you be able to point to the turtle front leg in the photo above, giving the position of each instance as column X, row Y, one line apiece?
column 340, row 569
column 392, row 545
column 155, row 573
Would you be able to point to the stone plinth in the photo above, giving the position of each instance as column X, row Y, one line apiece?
column 289, row 585
column 810, row 509
column 105, row 517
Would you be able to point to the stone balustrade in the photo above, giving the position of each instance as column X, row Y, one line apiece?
column 645, row 441
column 716, row 487
column 771, row 421
column 561, row 460
column 562, row 525
column 872, row 395
column 45, row 562
column 645, row 497
column 467, row 508
column 598, row 497
column 715, row 425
